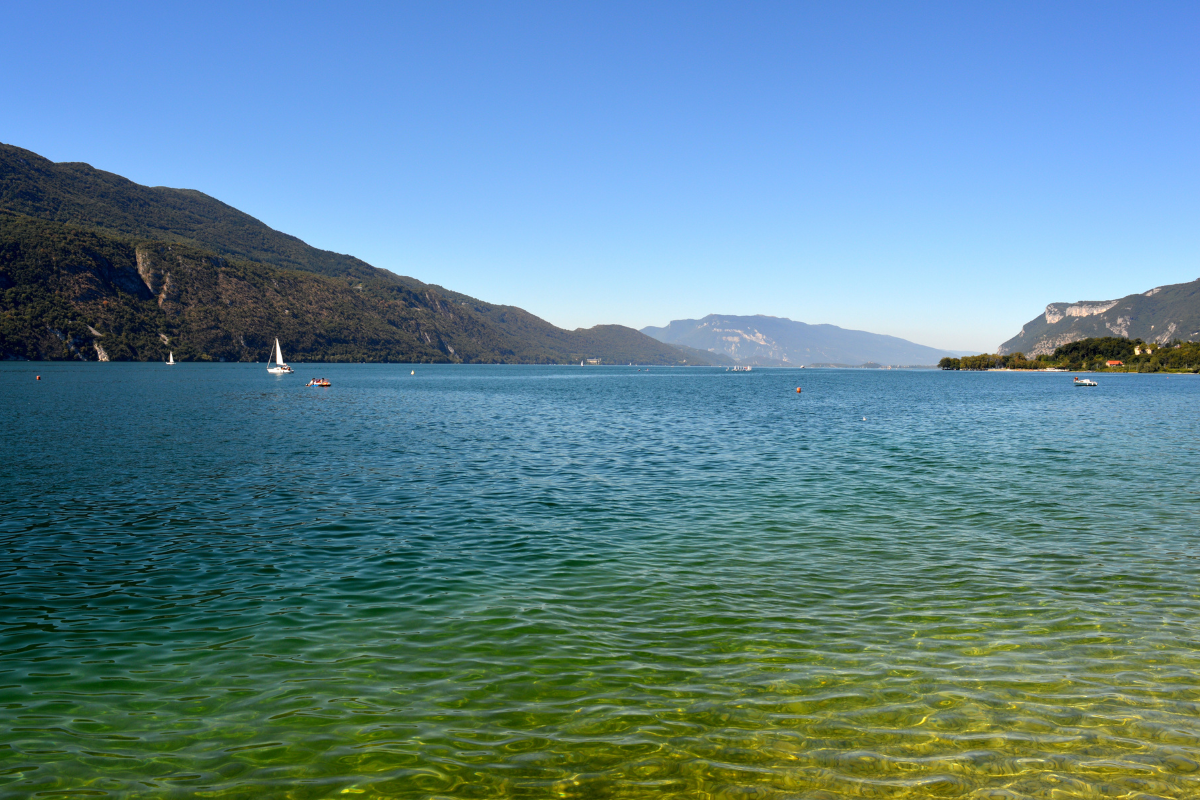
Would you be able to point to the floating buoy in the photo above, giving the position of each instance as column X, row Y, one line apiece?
column 39, row 377
column 797, row 390
column 864, row 419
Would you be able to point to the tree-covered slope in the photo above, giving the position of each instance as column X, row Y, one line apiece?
column 79, row 193
column 141, row 266
column 1162, row 315
column 72, row 292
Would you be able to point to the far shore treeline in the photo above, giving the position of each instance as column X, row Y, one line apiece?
column 1095, row 355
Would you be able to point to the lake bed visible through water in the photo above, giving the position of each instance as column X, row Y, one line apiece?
column 599, row 582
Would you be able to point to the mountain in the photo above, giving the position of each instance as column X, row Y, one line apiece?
column 779, row 341
column 94, row 266
column 82, row 195
column 714, row 358
column 1161, row 315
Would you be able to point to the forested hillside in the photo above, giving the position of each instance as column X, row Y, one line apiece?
column 95, row 266
column 89, row 197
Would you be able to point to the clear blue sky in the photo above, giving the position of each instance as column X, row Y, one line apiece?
column 933, row 171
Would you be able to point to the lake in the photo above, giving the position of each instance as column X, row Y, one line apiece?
column 528, row 582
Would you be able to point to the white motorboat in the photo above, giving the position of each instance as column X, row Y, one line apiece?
column 280, row 367
column 1085, row 382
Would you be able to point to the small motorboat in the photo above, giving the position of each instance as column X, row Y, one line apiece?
column 319, row 382
column 1085, row 382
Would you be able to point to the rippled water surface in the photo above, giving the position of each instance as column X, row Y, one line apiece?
column 486, row 582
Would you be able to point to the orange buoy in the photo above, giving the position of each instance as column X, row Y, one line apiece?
column 797, row 390
column 39, row 377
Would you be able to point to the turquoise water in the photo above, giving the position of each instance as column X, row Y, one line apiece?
column 525, row 582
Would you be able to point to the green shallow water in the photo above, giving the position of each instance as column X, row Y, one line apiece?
column 483, row 582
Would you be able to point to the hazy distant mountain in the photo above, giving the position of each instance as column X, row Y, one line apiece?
column 696, row 356
column 1162, row 315
column 93, row 266
column 778, row 340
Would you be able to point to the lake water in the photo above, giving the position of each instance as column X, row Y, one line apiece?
column 530, row 582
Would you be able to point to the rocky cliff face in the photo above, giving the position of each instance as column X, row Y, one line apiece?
column 1161, row 315
column 1058, row 311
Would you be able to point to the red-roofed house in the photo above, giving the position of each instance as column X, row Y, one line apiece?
column 1115, row 364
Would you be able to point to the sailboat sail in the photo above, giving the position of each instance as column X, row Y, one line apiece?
column 280, row 368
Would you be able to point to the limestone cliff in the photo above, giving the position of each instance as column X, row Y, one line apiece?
column 1162, row 315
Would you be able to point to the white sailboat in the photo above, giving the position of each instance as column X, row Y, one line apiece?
column 171, row 359
column 280, row 368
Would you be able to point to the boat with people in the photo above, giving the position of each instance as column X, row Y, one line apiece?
column 319, row 382
column 280, row 367
column 1085, row 382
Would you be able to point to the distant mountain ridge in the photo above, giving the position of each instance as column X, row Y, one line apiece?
column 94, row 266
column 1162, row 314
column 781, row 341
